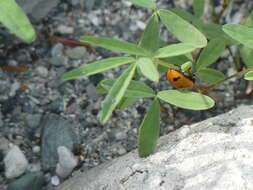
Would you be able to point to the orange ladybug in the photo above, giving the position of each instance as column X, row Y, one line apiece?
column 179, row 80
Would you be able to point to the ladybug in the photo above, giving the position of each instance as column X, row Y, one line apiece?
column 179, row 79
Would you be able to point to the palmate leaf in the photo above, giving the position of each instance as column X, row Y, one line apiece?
column 149, row 130
column 174, row 50
column 198, row 7
column 210, row 54
column 247, row 53
column 211, row 31
column 135, row 89
column 144, row 3
column 97, row 67
column 115, row 45
column 125, row 102
column 183, row 30
column 186, row 99
column 242, row 34
column 249, row 76
column 151, row 37
column 210, row 75
column 148, row 69
column 116, row 93
column 13, row 17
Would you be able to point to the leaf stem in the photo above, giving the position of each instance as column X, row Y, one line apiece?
column 211, row 87
column 166, row 64
column 236, row 61
column 218, row 17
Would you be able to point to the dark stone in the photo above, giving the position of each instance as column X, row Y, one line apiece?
column 30, row 181
column 141, row 110
column 94, row 111
column 56, row 131
column 9, row 105
column 57, row 106
column 95, row 79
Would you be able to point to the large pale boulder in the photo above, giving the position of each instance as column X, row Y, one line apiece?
column 214, row 154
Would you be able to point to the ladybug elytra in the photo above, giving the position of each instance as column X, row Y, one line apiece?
column 179, row 80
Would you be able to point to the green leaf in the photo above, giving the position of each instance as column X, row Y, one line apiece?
column 186, row 67
column 210, row 54
column 13, row 17
column 135, row 89
column 144, row 3
column 249, row 76
column 100, row 89
column 210, row 75
column 186, row 99
column 151, row 36
column 125, row 102
column 149, row 130
column 116, row 93
column 242, row 34
column 184, row 14
column 148, row 69
column 115, row 45
column 198, row 7
column 183, row 30
column 97, row 67
column 174, row 50
column 214, row 31
column 177, row 60
column 249, row 20
column 247, row 55
column 211, row 31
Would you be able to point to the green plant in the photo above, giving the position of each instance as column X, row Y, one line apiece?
column 13, row 17
column 149, row 57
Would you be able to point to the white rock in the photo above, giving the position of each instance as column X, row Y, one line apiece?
column 14, row 87
column 67, row 162
column 36, row 149
column 42, row 71
column 34, row 167
column 127, row 3
column 65, row 29
column 15, row 162
column 214, row 154
column 55, row 180
column 141, row 24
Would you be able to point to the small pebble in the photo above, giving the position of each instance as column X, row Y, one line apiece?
column 42, row 71
column 36, row 149
column 55, row 180
column 57, row 50
column 32, row 120
column 14, row 87
column 76, row 53
column 67, row 162
column 122, row 151
column 15, row 162
column 92, row 92
column 1, row 120
column 141, row 25
column 65, row 29
column 57, row 61
column 4, row 144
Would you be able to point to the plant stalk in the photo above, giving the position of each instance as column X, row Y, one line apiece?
column 211, row 87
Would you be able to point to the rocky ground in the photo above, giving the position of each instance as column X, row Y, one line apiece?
column 40, row 112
